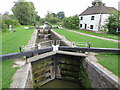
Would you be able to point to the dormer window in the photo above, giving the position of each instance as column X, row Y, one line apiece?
column 92, row 17
column 81, row 18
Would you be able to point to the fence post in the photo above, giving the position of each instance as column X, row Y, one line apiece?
column 89, row 45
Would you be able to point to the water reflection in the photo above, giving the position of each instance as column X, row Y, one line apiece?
column 60, row 84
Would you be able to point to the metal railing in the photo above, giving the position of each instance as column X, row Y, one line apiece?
column 41, row 44
column 36, row 45
column 73, row 44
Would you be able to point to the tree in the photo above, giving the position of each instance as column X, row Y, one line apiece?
column 24, row 12
column 61, row 15
column 11, row 22
column 7, row 20
column 6, row 13
column 54, row 20
column 51, row 18
column 71, row 22
column 48, row 16
column 42, row 21
column 53, row 14
column 37, row 18
column 21, row 0
column 98, row 3
column 13, row 16
column 113, row 22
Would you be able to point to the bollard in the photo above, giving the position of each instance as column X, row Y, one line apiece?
column 20, row 48
column 89, row 45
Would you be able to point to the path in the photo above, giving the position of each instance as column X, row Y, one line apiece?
column 93, row 36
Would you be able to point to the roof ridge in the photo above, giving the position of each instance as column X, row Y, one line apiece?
column 98, row 10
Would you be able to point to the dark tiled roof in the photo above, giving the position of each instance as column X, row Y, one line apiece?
column 98, row 10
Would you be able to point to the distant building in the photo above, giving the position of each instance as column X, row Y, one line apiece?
column 94, row 17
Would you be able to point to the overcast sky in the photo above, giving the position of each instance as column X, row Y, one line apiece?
column 70, row 7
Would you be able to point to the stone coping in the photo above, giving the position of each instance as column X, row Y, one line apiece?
column 35, row 58
column 67, row 42
column 32, row 40
column 21, row 77
column 112, row 78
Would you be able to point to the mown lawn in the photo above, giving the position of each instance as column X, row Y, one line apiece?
column 10, row 44
column 0, row 61
column 105, row 35
column 7, row 73
column 110, row 61
column 95, row 42
column 12, row 41
column 0, row 75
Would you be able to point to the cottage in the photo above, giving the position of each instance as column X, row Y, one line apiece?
column 94, row 17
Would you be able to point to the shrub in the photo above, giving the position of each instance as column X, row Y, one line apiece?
column 7, row 22
column 112, row 30
column 4, row 27
column 113, row 23
column 60, row 23
column 71, row 22
column 15, row 23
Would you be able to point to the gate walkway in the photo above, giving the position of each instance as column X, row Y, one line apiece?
column 93, row 36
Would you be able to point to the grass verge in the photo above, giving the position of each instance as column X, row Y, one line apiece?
column 95, row 42
column 0, row 61
column 0, row 75
column 105, row 35
column 110, row 61
column 11, row 41
column 7, row 73
column 10, row 44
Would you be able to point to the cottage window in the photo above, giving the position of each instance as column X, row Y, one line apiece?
column 92, row 17
column 81, row 18
column 118, row 29
column 91, row 26
column 80, row 25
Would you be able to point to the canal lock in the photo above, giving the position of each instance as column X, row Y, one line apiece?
column 61, row 67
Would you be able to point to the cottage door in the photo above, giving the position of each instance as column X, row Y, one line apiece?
column 85, row 26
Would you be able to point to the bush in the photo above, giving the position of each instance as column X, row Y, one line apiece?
column 71, row 22
column 54, row 20
column 113, row 23
column 42, row 21
column 112, row 30
column 60, row 23
column 15, row 23
column 4, row 27
column 7, row 22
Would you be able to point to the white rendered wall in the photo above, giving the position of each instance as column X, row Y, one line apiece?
column 96, row 22
column 104, row 18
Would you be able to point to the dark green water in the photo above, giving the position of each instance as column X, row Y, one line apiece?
column 60, row 84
